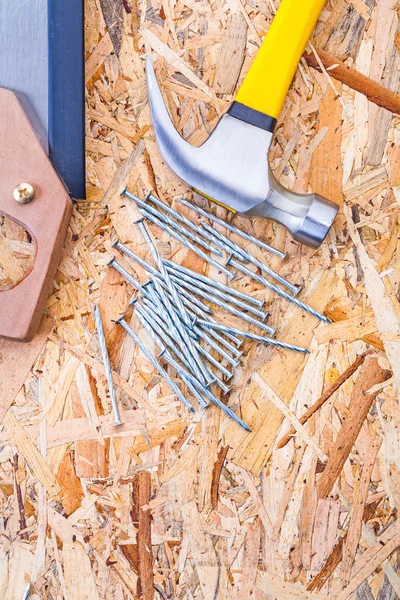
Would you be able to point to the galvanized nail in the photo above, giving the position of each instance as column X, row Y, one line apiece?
column 225, row 388
column 178, row 351
column 206, row 338
column 246, row 256
column 166, row 314
column 232, row 228
column 277, row 290
column 203, row 315
column 229, row 246
column 167, row 279
column 228, row 411
column 107, row 366
column 235, row 351
column 252, row 336
column 161, row 329
column 189, row 300
column 206, row 392
column 196, row 312
column 179, row 276
column 136, row 284
column 171, row 266
column 228, row 307
column 228, row 374
column 182, row 219
column 181, row 335
column 152, row 271
column 159, row 215
column 173, row 233
column 150, row 357
column 165, row 353
column 193, row 356
column 184, row 376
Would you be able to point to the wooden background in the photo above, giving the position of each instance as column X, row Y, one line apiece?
column 175, row 506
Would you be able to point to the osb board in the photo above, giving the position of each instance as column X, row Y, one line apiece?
column 171, row 506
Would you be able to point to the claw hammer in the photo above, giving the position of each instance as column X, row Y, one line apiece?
column 231, row 167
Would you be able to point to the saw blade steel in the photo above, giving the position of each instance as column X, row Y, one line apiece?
column 24, row 58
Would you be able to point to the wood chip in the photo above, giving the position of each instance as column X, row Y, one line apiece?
column 36, row 462
column 369, row 374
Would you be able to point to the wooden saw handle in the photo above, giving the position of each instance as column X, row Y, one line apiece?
column 46, row 218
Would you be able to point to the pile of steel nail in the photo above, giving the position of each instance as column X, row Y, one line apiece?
column 172, row 306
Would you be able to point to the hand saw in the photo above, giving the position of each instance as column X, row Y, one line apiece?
column 41, row 141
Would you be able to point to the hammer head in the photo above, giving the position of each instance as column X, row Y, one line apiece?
column 231, row 168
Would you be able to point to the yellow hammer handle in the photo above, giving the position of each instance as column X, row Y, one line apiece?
column 268, row 80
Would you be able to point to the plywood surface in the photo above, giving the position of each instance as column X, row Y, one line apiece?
column 176, row 506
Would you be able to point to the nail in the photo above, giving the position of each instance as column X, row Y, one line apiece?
column 274, row 288
column 232, row 228
column 230, row 336
column 246, row 256
column 206, row 338
column 186, row 340
column 151, row 358
column 179, row 276
column 189, row 300
column 237, row 353
column 167, row 279
column 159, row 215
column 206, row 392
column 152, row 271
column 113, row 263
column 252, row 336
column 184, row 376
column 228, row 307
column 161, row 328
column 148, row 325
column 159, row 308
column 211, row 282
column 184, row 333
column 195, row 313
column 229, row 246
column 203, row 315
column 169, row 316
column 225, row 388
column 141, row 261
column 173, row 233
column 199, row 230
column 106, row 363
column 228, row 374
column 222, row 406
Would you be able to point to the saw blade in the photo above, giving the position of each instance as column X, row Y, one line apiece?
column 24, row 58
column 42, row 60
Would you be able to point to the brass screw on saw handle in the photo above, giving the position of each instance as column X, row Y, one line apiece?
column 24, row 193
